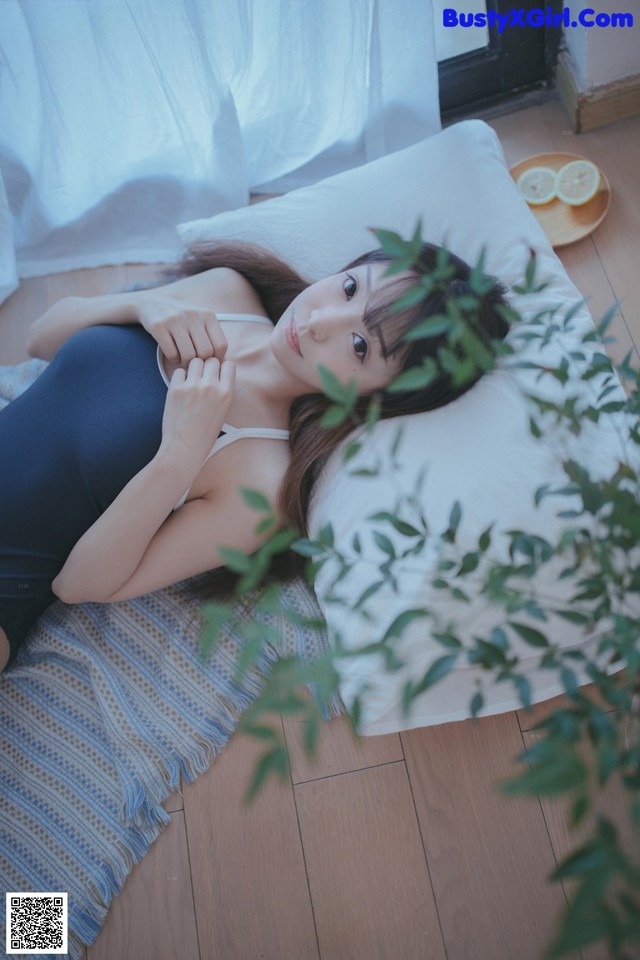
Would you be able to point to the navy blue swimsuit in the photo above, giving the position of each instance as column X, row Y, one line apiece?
column 69, row 445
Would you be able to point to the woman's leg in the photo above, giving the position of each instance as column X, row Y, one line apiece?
column 17, row 623
column 5, row 650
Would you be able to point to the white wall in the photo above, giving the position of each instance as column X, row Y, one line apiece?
column 601, row 55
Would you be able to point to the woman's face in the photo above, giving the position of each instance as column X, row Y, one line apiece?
column 324, row 327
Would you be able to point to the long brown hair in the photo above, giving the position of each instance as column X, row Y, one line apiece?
column 277, row 285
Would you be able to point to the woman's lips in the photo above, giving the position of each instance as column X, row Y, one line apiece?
column 292, row 336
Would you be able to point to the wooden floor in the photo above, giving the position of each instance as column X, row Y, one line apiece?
column 400, row 847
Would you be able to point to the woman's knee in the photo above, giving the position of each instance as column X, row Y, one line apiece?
column 5, row 650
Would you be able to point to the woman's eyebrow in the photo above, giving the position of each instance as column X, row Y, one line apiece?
column 368, row 281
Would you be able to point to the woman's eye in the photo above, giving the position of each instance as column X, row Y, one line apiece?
column 350, row 287
column 361, row 347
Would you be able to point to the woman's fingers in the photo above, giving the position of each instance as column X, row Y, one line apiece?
column 184, row 344
column 199, row 337
column 208, row 338
column 167, row 345
column 216, row 337
column 182, row 331
column 223, row 373
column 198, row 401
column 228, row 375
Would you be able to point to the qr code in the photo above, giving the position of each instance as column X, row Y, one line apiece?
column 37, row 923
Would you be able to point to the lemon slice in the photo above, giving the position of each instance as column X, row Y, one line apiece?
column 578, row 182
column 537, row 185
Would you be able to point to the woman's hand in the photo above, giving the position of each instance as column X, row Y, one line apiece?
column 182, row 331
column 197, row 404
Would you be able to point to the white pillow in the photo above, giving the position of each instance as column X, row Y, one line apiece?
column 478, row 450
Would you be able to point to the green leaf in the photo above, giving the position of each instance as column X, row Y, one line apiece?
column 307, row 548
column 237, row 560
column 351, row 449
column 447, row 640
column 406, row 529
column 373, row 413
column 587, row 858
column 579, row 810
column 384, row 543
column 416, row 239
column 488, row 655
column 334, row 416
column 579, row 928
column 256, row 500
column 541, row 492
column 365, row 472
column 401, row 622
column 393, row 244
column 534, row 428
column 260, row 731
column 459, row 594
column 523, row 686
column 469, row 563
column 533, row 637
column 335, row 390
column 251, row 650
column 410, row 298
column 436, row 672
column 266, row 524
column 479, row 282
column 436, row 325
column 607, row 763
column 415, row 378
column 280, row 541
column 369, row 592
column 499, row 638
column 326, row 535
column 485, row 539
column 604, row 323
column 454, row 521
column 573, row 616
column 477, row 703
column 311, row 733
column 560, row 773
column 273, row 763
column 569, row 681
column 216, row 616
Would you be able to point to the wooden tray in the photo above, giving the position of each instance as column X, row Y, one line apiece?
column 562, row 223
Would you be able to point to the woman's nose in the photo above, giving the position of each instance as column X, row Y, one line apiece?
column 322, row 323
column 315, row 325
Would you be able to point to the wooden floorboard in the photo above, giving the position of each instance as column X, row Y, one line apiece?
column 339, row 751
column 565, row 839
column 155, row 917
column 489, row 855
column 247, row 864
column 400, row 847
column 369, row 879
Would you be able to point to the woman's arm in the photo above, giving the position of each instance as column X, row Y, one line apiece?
column 178, row 315
column 112, row 550
column 186, row 544
column 67, row 316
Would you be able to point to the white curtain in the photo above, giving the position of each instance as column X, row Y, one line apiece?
column 121, row 118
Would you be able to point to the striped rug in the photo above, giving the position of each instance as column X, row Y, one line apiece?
column 106, row 707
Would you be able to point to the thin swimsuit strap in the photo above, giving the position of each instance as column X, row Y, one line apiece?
column 229, row 433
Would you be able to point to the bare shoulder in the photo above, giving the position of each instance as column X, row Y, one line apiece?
column 253, row 463
column 232, row 288
column 220, row 288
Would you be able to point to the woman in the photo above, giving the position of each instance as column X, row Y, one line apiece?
column 124, row 471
